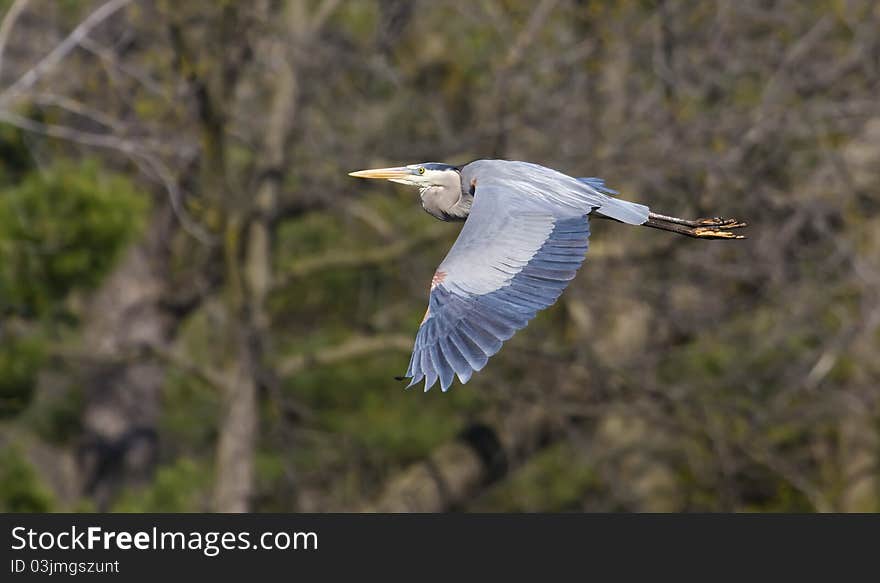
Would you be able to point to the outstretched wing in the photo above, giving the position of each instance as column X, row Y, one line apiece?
column 517, row 251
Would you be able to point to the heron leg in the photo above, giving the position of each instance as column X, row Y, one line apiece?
column 706, row 228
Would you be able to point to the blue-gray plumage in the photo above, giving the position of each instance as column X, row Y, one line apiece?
column 525, row 235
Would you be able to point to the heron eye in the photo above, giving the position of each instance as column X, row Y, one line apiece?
column 421, row 169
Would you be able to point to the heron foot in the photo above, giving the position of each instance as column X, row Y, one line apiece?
column 712, row 233
column 720, row 222
column 718, row 228
column 705, row 228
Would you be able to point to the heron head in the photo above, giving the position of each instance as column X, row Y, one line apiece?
column 425, row 175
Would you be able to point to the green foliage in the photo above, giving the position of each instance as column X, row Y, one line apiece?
column 178, row 487
column 20, row 359
column 20, row 488
column 60, row 230
column 56, row 417
column 15, row 160
column 360, row 399
column 553, row 481
column 189, row 418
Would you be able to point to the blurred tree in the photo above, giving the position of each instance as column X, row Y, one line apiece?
column 43, row 253
column 235, row 352
column 20, row 488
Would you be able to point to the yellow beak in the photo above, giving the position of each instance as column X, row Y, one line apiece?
column 384, row 173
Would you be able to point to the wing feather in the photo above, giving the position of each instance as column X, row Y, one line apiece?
column 520, row 246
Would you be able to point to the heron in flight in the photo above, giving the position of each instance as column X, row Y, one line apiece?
column 525, row 235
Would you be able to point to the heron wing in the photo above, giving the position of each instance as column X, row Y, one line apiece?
column 515, row 254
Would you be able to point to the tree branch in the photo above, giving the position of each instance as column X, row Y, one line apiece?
column 58, row 54
column 354, row 348
column 9, row 21
column 372, row 256
column 77, row 108
column 108, row 141
column 177, row 360
column 112, row 63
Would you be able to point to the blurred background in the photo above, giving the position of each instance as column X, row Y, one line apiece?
column 201, row 311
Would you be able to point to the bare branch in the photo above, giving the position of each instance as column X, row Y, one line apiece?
column 175, row 197
column 323, row 13
column 354, row 348
column 77, row 108
column 108, row 141
column 791, row 475
column 528, row 33
column 9, row 21
column 58, row 54
column 177, row 360
column 374, row 256
column 371, row 218
column 112, row 62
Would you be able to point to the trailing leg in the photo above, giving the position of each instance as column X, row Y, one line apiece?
column 708, row 228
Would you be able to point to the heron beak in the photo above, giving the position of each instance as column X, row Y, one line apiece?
column 400, row 174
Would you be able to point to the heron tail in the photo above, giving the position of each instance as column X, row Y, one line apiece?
column 631, row 213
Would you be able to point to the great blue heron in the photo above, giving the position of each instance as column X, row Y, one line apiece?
column 525, row 235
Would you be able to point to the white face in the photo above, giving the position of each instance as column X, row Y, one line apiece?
column 424, row 177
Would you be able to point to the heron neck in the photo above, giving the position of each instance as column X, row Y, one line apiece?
column 446, row 204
